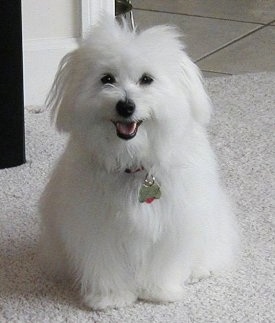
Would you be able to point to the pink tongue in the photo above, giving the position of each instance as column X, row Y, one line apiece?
column 126, row 128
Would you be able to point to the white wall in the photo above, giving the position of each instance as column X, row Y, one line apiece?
column 50, row 30
column 51, row 18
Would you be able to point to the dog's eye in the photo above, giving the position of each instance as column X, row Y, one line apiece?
column 108, row 79
column 145, row 79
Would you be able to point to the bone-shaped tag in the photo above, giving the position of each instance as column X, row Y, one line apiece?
column 149, row 191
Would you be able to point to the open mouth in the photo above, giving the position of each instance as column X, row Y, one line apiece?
column 126, row 130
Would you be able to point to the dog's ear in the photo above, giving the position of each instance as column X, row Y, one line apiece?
column 201, row 106
column 60, row 98
column 169, row 39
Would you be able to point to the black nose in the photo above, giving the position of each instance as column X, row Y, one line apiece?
column 125, row 108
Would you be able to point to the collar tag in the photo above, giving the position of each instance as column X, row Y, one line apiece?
column 149, row 191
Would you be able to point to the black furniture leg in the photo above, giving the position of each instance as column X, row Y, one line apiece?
column 12, row 142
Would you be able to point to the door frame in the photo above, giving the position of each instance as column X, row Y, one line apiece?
column 91, row 11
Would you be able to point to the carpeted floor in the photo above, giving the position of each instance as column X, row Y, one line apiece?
column 242, row 132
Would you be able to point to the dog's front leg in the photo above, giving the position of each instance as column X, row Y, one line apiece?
column 105, row 282
column 162, row 280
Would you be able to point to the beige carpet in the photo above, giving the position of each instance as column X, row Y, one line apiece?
column 242, row 132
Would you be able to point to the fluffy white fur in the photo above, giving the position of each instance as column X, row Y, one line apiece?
column 94, row 229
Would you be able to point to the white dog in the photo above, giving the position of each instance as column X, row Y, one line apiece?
column 134, row 207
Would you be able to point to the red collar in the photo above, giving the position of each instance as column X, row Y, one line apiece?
column 133, row 171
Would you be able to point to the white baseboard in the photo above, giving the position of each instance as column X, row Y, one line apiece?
column 41, row 59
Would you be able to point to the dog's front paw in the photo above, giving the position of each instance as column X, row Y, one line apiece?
column 198, row 274
column 162, row 294
column 101, row 302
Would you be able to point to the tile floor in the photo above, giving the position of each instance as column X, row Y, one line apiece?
column 223, row 37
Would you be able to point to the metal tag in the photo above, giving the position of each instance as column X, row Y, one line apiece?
column 149, row 191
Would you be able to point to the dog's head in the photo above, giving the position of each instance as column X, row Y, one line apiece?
column 126, row 94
